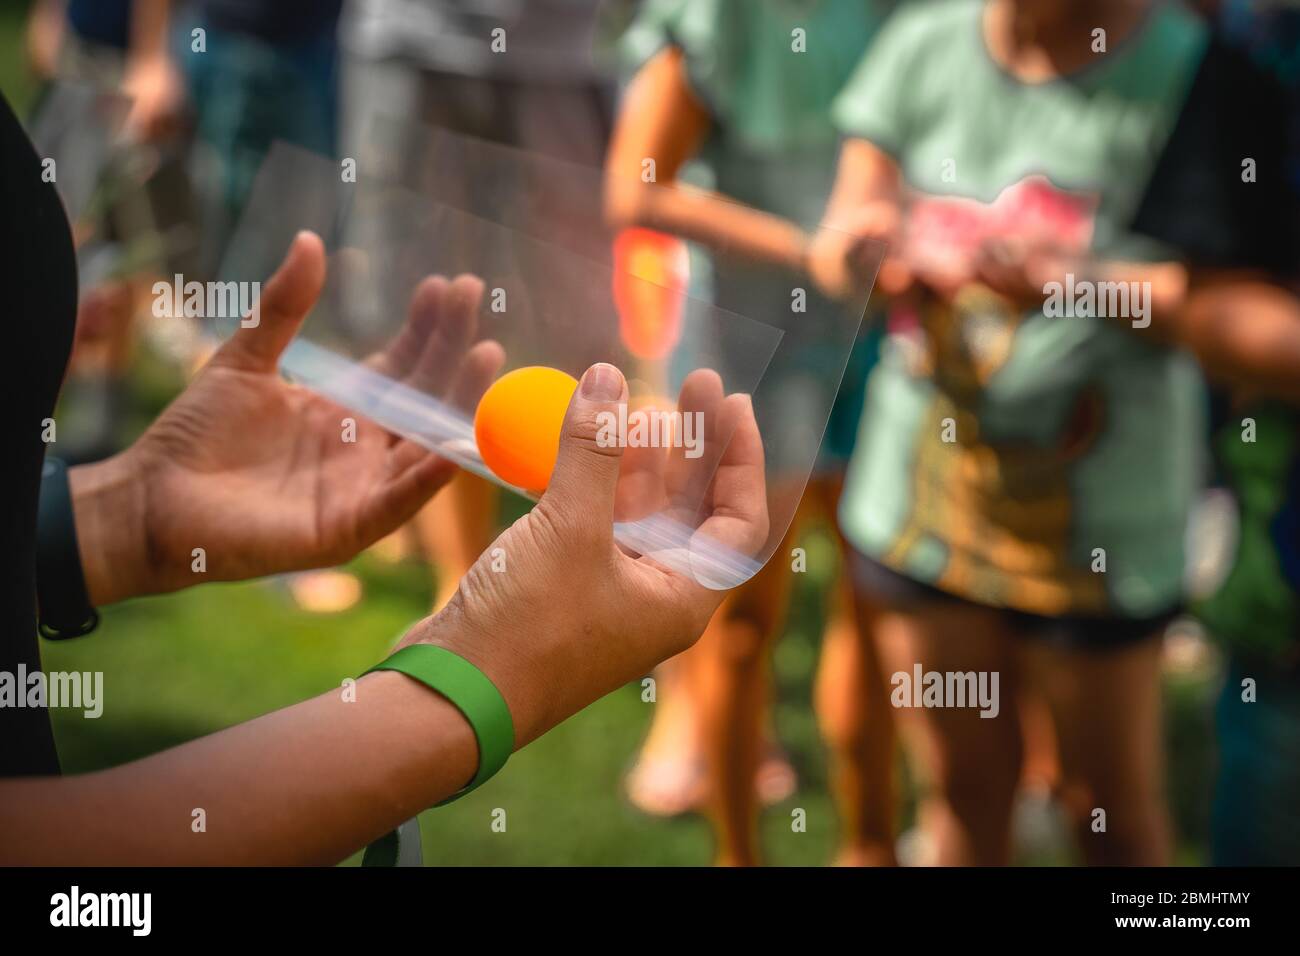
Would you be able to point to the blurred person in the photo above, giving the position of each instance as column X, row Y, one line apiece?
column 519, row 72
column 258, row 72
column 115, row 47
column 1022, row 480
column 116, row 44
column 732, row 111
column 264, row 70
column 253, row 466
column 1242, row 320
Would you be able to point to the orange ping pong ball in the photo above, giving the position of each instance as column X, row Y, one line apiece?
column 518, row 421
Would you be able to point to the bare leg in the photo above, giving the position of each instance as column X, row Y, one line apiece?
column 1042, row 767
column 972, row 762
column 668, row 777
column 1106, row 706
column 454, row 528
column 731, row 679
column 852, row 703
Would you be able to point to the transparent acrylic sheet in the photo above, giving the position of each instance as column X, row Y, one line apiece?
column 405, row 350
column 563, row 203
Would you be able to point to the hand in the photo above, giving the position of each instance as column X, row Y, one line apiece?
column 256, row 471
column 1020, row 272
column 157, row 96
column 573, row 616
column 846, row 255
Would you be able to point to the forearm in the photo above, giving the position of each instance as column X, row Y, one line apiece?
column 309, row 784
column 1161, row 294
column 661, row 125
column 1242, row 327
column 149, row 26
column 1246, row 333
column 723, row 225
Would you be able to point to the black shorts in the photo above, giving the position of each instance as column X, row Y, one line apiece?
column 1073, row 631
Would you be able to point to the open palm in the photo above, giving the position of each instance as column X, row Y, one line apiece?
column 266, row 476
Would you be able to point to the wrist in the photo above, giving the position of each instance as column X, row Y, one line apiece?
column 453, row 629
column 149, row 62
column 435, row 751
column 108, row 503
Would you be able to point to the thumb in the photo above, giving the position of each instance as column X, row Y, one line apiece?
column 586, row 470
column 278, row 312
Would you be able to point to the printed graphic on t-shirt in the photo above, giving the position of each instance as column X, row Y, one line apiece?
column 1002, row 510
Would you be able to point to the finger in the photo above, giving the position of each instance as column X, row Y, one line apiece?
column 482, row 364
column 285, row 301
column 413, row 475
column 586, row 472
column 738, row 515
column 641, row 490
column 444, row 350
column 687, row 479
column 401, row 354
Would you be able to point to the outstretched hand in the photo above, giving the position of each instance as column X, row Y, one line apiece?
column 555, row 612
column 264, row 476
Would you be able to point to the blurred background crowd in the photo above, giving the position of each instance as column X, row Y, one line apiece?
column 995, row 146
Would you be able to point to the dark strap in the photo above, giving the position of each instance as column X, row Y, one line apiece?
column 64, row 606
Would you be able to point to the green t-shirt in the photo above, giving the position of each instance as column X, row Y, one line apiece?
column 767, row 71
column 1040, row 463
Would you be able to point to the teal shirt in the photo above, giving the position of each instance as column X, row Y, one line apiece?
column 1076, row 440
column 769, row 89
column 768, row 71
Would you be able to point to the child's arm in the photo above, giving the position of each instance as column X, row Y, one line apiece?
column 863, row 211
column 1153, row 293
column 1245, row 329
column 1242, row 326
column 152, row 80
column 661, row 120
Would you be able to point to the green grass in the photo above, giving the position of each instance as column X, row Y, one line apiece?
column 15, row 82
column 184, row 665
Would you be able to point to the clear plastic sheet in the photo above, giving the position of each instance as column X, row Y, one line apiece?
column 555, row 289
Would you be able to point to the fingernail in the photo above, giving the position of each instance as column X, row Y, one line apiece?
column 602, row 382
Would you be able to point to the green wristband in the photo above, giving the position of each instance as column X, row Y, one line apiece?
column 475, row 696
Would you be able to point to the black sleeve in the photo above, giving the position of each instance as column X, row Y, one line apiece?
column 38, row 273
column 1197, row 199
